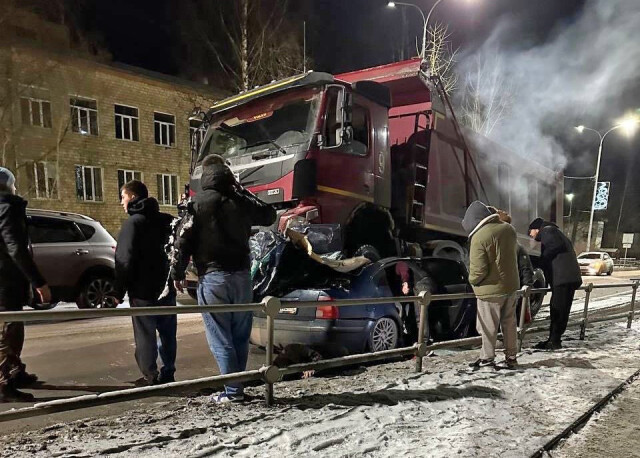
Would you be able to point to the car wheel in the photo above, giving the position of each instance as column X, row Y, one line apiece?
column 97, row 292
column 610, row 271
column 384, row 335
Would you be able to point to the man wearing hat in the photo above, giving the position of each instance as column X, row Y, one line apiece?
column 17, row 273
column 562, row 271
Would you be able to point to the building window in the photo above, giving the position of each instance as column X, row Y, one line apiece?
column 89, row 183
column 165, row 129
column 126, row 123
column 125, row 176
column 36, row 112
column 167, row 189
column 42, row 179
column 84, row 116
column 196, row 133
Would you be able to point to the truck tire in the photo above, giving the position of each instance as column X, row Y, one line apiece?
column 536, row 299
column 368, row 251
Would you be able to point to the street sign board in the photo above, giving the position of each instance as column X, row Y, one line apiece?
column 626, row 246
column 627, row 239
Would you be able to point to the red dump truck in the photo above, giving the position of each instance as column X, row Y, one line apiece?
column 378, row 152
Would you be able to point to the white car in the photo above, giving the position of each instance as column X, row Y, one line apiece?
column 595, row 263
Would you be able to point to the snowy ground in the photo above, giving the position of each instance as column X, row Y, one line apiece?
column 385, row 410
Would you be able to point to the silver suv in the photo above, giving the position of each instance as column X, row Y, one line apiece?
column 75, row 254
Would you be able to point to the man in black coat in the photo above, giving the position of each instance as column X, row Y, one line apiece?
column 18, row 273
column 563, row 275
column 218, row 241
column 142, row 270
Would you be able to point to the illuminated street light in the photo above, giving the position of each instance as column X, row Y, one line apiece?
column 629, row 124
column 425, row 20
column 570, row 197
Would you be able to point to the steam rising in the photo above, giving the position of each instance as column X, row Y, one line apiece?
column 579, row 73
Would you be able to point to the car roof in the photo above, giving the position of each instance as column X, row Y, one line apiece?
column 59, row 214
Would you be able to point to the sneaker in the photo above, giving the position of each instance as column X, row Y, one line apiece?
column 143, row 381
column 224, row 398
column 162, row 379
column 23, row 380
column 547, row 345
column 477, row 364
column 9, row 394
column 510, row 362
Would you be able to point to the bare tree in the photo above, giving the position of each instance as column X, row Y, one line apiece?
column 487, row 95
column 249, row 41
column 441, row 56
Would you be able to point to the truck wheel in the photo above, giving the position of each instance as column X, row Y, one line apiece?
column 368, row 251
column 384, row 335
column 97, row 292
column 536, row 299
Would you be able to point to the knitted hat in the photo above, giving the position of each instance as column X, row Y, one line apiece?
column 536, row 223
column 7, row 179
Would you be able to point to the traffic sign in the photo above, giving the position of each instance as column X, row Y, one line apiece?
column 627, row 239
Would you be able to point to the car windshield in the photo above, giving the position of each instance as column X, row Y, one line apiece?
column 589, row 256
column 265, row 128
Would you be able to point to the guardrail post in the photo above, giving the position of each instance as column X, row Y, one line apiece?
column 585, row 314
column 271, row 308
column 526, row 298
column 421, row 346
column 633, row 303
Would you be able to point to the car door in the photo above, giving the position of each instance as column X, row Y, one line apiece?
column 60, row 250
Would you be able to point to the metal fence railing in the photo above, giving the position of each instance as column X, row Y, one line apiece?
column 270, row 374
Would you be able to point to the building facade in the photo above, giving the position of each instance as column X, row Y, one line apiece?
column 75, row 129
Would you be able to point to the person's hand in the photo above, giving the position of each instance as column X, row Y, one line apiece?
column 180, row 285
column 45, row 294
column 117, row 301
column 405, row 288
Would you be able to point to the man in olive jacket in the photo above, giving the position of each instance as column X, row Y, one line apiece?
column 493, row 274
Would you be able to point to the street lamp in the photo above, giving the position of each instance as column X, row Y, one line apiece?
column 629, row 125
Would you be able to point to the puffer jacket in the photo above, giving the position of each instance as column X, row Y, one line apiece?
column 223, row 215
column 493, row 261
column 558, row 257
column 142, row 265
column 17, row 269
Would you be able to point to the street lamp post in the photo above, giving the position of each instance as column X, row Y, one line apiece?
column 628, row 124
column 570, row 199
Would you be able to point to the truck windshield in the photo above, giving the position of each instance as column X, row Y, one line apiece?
column 264, row 128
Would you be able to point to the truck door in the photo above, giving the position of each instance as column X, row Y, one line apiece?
column 345, row 163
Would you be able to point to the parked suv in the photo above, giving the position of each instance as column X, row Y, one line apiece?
column 75, row 255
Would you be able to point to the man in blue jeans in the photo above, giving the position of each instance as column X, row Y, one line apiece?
column 217, row 239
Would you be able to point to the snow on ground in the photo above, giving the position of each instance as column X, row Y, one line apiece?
column 385, row 410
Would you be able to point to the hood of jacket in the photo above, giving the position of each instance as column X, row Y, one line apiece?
column 476, row 216
column 143, row 206
column 545, row 224
column 218, row 177
column 11, row 199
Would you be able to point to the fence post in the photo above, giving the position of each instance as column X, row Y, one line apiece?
column 526, row 295
column 585, row 314
column 633, row 303
column 271, row 307
column 421, row 346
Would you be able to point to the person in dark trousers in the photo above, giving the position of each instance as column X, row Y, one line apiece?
column 218, row 241
column 408, row 311
column 562, row 271
column 142, row 271
column 18, row 273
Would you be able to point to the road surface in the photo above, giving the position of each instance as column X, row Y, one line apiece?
column 97, row 355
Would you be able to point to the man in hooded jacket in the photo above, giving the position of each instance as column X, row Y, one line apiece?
column 562, row 271
column 218, row 242
column 493, row 274
column 18, row 273
column 142, row 271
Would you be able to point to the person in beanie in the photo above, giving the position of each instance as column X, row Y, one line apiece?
column 562, row 271
column 493, row 274
column 142, row 270
column 218, row 241
column 18, row 273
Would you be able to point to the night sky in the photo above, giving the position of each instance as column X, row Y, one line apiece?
column 349, row 34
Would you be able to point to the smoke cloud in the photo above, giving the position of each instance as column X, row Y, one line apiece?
column 579, row 74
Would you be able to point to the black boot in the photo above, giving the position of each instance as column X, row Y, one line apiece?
column 9, row 394
column 23, row 380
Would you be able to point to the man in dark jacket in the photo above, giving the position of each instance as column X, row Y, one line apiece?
column 563, row 274
column 142, row 270
column 18, row 273
column 218, row 242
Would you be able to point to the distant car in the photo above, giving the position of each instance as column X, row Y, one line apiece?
column 372, row 327
column 595, row 263
column 75, row 254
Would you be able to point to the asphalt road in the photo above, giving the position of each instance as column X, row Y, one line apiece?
column 96, row 355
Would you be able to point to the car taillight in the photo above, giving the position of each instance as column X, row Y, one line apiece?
column 327, row 312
